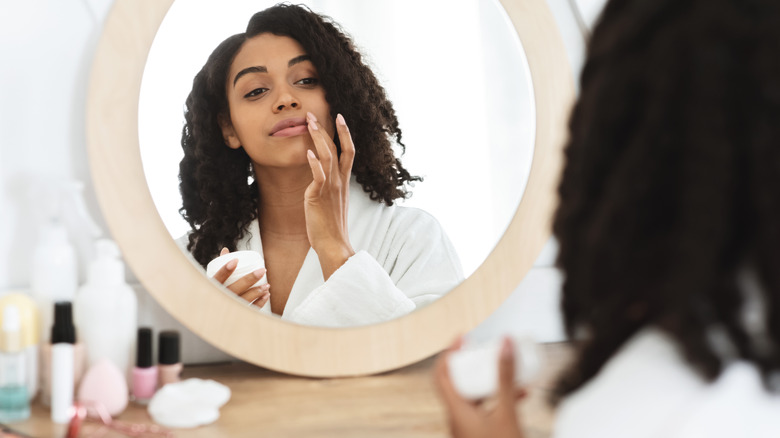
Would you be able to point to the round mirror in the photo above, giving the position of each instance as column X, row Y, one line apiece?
column 461, row 91
column 527, row 121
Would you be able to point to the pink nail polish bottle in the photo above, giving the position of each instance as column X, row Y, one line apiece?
column 144, row 374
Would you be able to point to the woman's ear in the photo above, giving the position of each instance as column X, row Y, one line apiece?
column 228, row 132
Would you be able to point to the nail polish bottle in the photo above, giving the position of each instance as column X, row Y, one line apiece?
column 144, row 374
column 168, row 361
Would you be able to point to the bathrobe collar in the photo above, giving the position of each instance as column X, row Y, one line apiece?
column 310, row 275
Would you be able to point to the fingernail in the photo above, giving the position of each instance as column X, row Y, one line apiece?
column 312, row 125
column 259, row 272
column 340, row 120
column 312, row 116
column 310, row 154
column 232, row 264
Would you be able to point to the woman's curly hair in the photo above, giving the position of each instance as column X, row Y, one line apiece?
column 671, row 190
column 219, row 201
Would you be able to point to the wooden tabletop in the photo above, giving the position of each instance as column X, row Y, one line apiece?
column 402, row 403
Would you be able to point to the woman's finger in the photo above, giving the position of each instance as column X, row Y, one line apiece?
column 247, row 281
column 507, row 394
column 224, row 251
column 225, row 271
column 347, row 157
column 256, row 293
column 317, row 173
column 263, row 300
column 328, row 142
column 323, row 150
column 452, row 399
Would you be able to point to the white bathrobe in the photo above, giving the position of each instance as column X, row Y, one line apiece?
column 403, row 260
column 648, row 390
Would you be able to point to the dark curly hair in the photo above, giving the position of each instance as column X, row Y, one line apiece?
column 671, row 189
column 218, row 200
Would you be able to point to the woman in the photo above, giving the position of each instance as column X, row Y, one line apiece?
column 669, row 230
column 272, row 106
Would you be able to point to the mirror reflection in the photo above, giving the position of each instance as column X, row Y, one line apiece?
column 324, row 159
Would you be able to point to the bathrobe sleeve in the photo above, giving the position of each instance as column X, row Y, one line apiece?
column 411, row 265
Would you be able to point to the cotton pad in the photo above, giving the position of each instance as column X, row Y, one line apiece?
column 189, row 403
column 474, row 369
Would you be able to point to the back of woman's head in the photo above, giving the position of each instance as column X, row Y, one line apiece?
column 671, row 193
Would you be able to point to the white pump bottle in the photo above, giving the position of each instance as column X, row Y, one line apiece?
column 106, row 310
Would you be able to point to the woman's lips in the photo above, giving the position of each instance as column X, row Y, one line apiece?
column 289, row 132
column 289, row 127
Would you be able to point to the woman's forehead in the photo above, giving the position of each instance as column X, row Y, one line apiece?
column 266, row 50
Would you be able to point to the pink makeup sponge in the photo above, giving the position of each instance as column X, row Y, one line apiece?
column 104, row 383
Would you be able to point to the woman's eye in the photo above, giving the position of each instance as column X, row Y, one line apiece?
column 256, row 92
column 308, row 81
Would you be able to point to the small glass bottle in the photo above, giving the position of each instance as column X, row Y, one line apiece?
column 14, row 397
column 168, row 362
column 144, row 373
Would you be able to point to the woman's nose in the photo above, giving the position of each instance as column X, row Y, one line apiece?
column 286, row 100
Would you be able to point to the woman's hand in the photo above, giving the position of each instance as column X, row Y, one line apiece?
column 326, row 202
column 469, row 419
column 256, row 296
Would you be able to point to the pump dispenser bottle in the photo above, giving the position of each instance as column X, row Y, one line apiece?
column 47, row 354
column 63, row 336
column 54, row 274
column 14, row 397
column 106, row 312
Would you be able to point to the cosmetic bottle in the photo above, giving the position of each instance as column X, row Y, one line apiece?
column 30, row 335
column 47, row 357
column 169, row 365
column 63, row 336
column 144, row 374
column 106, row 310
column 14, row 398
column 54, row 274
column 66, row 236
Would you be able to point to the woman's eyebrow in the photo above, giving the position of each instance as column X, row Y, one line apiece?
column 256, row 69
column 298, row 59
column 263, row 69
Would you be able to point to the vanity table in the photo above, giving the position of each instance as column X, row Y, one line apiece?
column 401, row 403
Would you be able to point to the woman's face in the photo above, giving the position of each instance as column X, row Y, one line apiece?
column 271, row 86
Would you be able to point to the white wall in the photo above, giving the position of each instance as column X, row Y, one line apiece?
column 47, row 48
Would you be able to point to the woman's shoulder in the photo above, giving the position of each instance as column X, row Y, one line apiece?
column 363, row 207
column 370, row 219
column 648, row 390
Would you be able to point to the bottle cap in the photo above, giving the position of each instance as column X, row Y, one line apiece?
column 144, row 355
column 28, row 312
column 12, row 329
column 168, row 348
column 63, row 329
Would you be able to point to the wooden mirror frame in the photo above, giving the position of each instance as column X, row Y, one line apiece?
column 194, row 300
